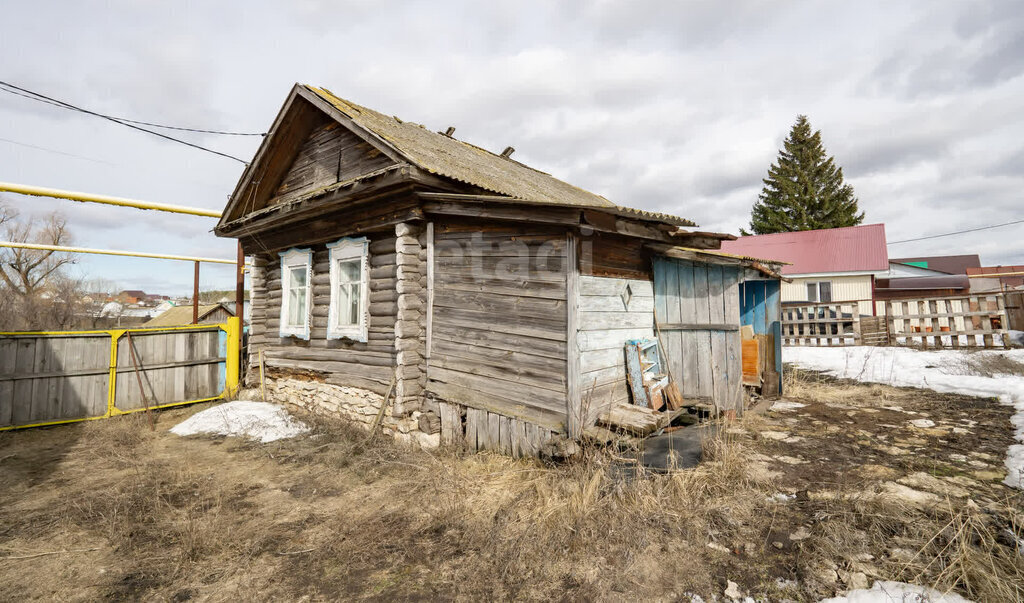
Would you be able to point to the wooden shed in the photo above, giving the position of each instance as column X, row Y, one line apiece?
column 496, row 298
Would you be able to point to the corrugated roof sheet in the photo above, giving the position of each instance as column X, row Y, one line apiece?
column 452, row 158
column 851, row 249
column 950, row 264
column 181, row 315
column 912, row 283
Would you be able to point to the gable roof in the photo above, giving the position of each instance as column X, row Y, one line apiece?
column 182, row 315
column 850, row 249
column 437, row 154
column 950, row 264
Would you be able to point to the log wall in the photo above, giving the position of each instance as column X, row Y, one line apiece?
column 368, row 365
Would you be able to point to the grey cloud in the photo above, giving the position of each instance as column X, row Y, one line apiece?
column 670, row 106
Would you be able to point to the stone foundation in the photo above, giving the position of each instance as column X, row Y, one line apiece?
column 352, row 403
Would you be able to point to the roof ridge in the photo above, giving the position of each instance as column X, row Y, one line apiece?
column 360, row 108
column 468, row 163
column 793, row 232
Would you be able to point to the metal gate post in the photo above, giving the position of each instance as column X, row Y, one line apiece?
column 112, row 379
column 232, row 362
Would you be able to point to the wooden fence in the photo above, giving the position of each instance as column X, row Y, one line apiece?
column 48, row 378
column 821, row 324
column 975, row 321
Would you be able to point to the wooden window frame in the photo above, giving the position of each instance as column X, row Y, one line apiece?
column 295, row 258
column 346, row 249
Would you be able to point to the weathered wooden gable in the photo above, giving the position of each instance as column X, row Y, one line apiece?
column 331, row 153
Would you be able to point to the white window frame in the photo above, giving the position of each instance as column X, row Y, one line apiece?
column 342, row 250
column 294, row 258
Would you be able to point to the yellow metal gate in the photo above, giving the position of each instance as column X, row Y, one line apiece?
column 48, row 378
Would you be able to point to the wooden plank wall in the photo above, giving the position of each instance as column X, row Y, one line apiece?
column 330, row 154
column 34, row 386
column 46, row 378
column 367, row 365
column 608, row 318
column 175, row 366
column 498, row 330
column 477, row 429
column 706, row 362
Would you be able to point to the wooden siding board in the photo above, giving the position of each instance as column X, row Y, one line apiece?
column 498, row 337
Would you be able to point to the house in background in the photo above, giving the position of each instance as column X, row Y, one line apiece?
column 985, row 279
column 130, row 296
column 927, row 276
column 182, row 315
column 825, row 266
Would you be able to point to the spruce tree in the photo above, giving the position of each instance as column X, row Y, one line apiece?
column 804, row 189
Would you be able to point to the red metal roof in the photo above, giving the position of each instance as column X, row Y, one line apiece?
column 850, row 249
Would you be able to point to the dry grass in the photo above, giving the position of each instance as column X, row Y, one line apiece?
column 332, row 516
column 989, row 364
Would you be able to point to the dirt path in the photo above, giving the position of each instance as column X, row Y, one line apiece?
column 860, row 483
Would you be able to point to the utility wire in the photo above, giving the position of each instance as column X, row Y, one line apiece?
column 36, row 97
column 54, row 151
column 53, row 101
column 946, row 234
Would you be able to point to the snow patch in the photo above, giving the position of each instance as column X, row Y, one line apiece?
column 254, row 420
column 884, row 591
column 785, row 405
column 929, row 370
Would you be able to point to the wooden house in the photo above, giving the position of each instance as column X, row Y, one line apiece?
column 495, row 298
column 182, row 315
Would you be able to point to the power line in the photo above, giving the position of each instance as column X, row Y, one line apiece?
column 54, row 151
column 946, row 234
column 40, row 98
column 62, row 104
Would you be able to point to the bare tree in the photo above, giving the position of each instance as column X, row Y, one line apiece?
column 25, row 271
column 34, row 291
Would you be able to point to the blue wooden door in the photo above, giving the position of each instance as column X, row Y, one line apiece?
column 761, row 308
column 697, row 307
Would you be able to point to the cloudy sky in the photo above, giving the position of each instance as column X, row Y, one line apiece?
column 671, row 106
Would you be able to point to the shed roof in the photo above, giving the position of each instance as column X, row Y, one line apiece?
column 849, row 249
column 915, row 283
column 464, row 162
column 182, row 315
column 950, row 264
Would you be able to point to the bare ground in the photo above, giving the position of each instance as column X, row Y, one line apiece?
column 798, row 504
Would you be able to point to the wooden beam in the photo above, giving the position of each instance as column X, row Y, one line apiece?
column 574, row 403
column 680, row 326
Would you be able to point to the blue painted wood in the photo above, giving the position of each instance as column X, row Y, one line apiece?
column 661, row 268
column 760, row 325
column 746, row 303
column 635, row 374
column 773, row 311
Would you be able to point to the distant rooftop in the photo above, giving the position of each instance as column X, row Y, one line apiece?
column 850, row 249
column 950, row 264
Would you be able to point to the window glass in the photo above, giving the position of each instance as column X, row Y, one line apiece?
column 812, row 292
column 297, row 291
column 295, row 298
column 347, row 314
column 349, row 291
column 825, row 291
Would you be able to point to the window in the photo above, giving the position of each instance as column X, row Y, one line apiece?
column 825, row 292
column 820, row 292
column 296, row 265
column 349, row 289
